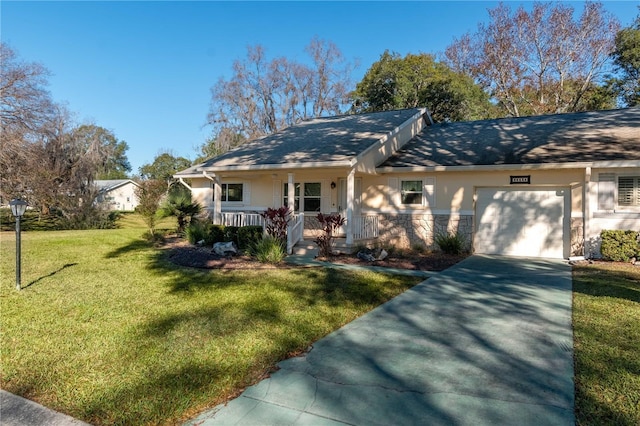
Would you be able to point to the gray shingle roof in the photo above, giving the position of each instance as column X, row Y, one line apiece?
column 561, row 138
column 326, row 139
column 107, row 185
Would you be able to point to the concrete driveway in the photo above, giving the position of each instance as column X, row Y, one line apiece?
column 487, row 342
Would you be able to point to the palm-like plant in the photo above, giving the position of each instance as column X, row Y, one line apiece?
column 180, row 205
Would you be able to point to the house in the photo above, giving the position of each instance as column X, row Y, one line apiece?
column 117, row 194
column 540, row 186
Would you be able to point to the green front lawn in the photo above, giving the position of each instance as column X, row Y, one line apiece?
column 107, row 331
column 606, row 321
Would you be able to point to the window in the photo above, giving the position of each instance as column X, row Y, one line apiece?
column 311, row 196
column 231, row 192
column 296, row 203
column 411, row 191
column 629, row 190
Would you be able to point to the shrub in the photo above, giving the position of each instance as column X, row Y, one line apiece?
column 179, row 204
column 419, row 248
column 619, row 246
column 215, row 235
column 269, row 250
column 451, row 243
column 231, row 234
column 196, row 231
column 330, row 223
column 276, row 222
column 248, row 236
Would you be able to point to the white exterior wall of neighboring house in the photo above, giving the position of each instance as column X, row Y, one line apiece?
column 120, row 195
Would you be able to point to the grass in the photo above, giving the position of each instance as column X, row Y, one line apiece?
column 606, row 320
column 107, row 331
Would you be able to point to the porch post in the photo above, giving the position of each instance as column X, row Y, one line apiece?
column 291, row 203
column 217, row 201
column 350, row 205
column 291, row 194
column 586, row 214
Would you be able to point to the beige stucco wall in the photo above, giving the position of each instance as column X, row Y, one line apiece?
column 264, row 190
column 450, row 200
column 454, row 191
column 622, row 218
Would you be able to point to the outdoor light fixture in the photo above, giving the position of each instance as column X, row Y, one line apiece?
column 18, row 207
column 333, row 185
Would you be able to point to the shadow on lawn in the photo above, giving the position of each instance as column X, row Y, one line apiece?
column 212, row 353
column 605, row 352
column 622, row 283
column 37, row 280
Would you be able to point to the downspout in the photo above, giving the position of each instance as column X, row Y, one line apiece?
column 185, row 184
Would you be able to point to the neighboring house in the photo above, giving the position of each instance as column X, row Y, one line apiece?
column 117, row 194
column 541, row 186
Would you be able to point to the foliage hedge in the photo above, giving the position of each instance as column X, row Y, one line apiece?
column 248, row 236
column 619, row 246
column 34, row 221
column 244, row 237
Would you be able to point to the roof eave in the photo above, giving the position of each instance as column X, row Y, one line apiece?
column 502, row 167
column 263, row 167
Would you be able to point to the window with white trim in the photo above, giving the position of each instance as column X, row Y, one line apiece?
column 311, row 199
column 411, row 192
column 231, row 192
column 629, row 191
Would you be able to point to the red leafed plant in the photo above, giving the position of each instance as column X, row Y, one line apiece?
column 330, row 223
column 276, row 221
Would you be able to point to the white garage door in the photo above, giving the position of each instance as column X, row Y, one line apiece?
column 520, row 222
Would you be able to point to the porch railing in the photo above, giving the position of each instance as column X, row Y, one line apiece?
column 241, row 219
column 365, row 227
column 296, row 231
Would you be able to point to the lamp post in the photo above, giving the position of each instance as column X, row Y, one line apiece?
column 18, row 207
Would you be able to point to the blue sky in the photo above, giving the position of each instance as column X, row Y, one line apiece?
column 144, row 69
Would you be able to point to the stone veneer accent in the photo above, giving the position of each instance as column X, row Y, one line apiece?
column 577, row 236
column 410, row 230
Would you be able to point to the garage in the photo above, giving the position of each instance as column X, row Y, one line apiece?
column 522, row 222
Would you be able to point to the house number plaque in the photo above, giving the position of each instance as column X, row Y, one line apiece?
column 518, row 180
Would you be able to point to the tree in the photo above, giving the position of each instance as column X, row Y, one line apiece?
column 264, row 96
column 219, row 143
column 149, row 193
column 626, row 58
column 117, row 165
column 26, row 110
column 414, row 81
column 541, row 61
column 43, row 157
column 164, row 166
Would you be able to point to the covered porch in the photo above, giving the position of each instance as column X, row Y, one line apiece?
column 306, row 196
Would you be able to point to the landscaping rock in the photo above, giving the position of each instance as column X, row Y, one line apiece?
column 225, row 249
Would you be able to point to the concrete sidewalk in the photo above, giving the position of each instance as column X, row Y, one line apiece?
column 488, row 341
column 17, row 411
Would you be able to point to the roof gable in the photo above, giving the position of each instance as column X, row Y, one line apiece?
column 328, row 140
column 111, row 184
column 561, row 138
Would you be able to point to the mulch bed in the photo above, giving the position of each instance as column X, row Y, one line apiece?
column 182, row 253
column 413, row 261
